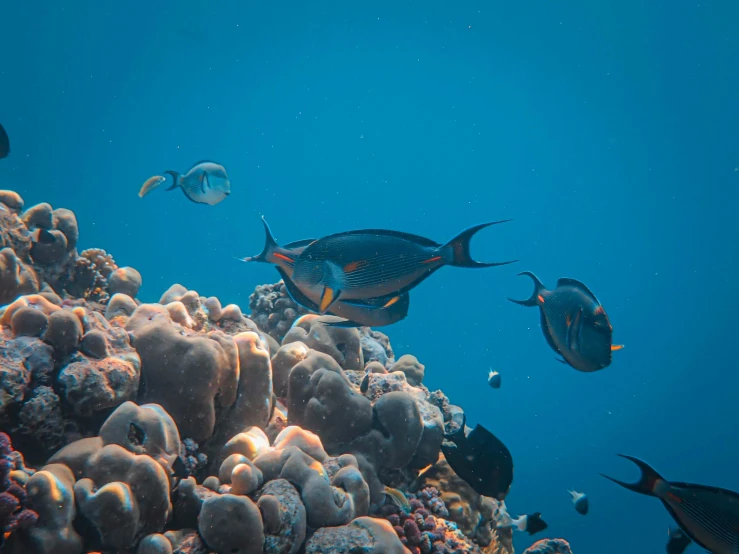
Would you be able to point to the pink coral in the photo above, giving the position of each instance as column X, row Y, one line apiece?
column 13, row 514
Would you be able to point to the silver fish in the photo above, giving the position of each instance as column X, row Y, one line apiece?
column 205, row 183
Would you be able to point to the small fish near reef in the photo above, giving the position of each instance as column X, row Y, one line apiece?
column 581, row 502
column 4, row 143
column 378, row 263
column 709, row 516
column 376, row 312
column 574, row 323
column 531, row 523
column 481, row 459
column 204, row 183
column 677, row 541
column 494, row 379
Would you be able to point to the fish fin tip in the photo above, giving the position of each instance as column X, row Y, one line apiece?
column 532, row 300
column 457, row 250
column 617, row 347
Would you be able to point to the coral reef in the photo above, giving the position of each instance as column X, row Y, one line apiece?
column 186, row 426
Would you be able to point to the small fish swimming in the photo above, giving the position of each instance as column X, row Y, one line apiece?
column 677, row 541
column 4, row 143
column 204, row 183
column 580, row 500
column 494, row 379
column 376, row 312
column 709, row 516
column 574, row 323
column 377, row 263
column 531, row 523
column 398, row 498
column 481, row 459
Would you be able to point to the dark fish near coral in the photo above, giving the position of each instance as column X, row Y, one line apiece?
column 377, row 263
column 531, row 523
column 204, row 183
column 574, row 323
column 580, row 500
column 709, row 516
column 481, row 459
column 376, row 312
column 4, row 143
column 677, row 541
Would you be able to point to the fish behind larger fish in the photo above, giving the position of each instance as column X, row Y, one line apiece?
column 376, row 312
column 204, row 183
column 377, row 263
column 708, row 515
column 4, row 143
column 574, row 323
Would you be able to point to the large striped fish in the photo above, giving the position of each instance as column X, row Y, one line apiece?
column 378, row 263
column 376, row 312
column 708, row 515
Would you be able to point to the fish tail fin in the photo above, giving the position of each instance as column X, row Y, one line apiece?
column 647, row 480
column 533, row 300
column 175, row 179
column 456, row 252
column 271, row 249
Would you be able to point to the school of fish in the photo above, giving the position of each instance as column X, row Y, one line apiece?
column 364, row 277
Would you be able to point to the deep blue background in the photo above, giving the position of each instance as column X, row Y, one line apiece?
column 607, row 131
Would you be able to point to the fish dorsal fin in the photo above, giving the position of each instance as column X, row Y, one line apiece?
column 295, row 293
column 299, row 243
column 205, row 162
column 423, row 241
column 567, row 282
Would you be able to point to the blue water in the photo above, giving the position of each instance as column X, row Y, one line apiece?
column 607, row 131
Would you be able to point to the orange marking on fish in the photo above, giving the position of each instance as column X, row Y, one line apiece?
column 541, row 298
column 355, row 265
column 326, row 299
column 391, row 302
column 568, row 320
column 431, row 260
column 675, row 498
column 599, row 310
column 615, row 347
column 283, row 257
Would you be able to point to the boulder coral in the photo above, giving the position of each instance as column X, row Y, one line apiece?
column 184, row 425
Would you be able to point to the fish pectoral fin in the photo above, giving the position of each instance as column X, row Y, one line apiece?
column 573, row 331
column 328, row 297
column 204, row 182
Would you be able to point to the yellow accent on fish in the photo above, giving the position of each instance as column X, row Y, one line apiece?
column 327, row 299
column 391, row 301
column 150, row 184
column 399, row 498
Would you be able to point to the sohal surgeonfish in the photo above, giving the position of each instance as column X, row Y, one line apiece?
column 4, row 143
column 574, row 323
column 481, row 459
column 377, row 263
column 709, row 516
column 377, row 312
column 204, row 183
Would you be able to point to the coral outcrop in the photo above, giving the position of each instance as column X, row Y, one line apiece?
column 186, row 426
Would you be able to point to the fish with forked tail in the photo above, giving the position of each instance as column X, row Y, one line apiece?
column 377, row 263
column 709, row 516
column 574, row 323
column 204, row 183
column 376, row 312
